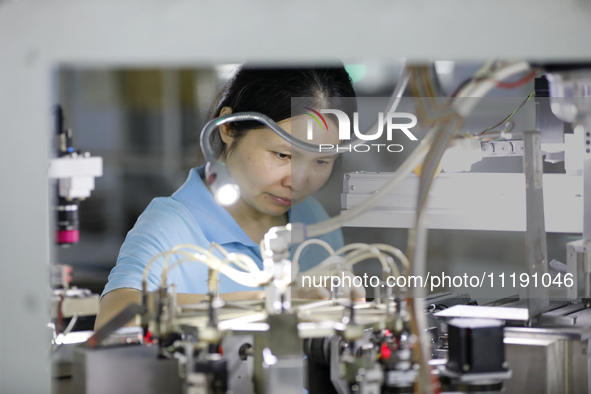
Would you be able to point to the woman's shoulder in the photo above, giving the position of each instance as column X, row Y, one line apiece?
column 166, row 218
column 165, row 223
column 164, row 210
column 308, row 211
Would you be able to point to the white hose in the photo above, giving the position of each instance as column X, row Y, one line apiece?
column 327, row 264
column 368, row 252
column 241, row 260
column 394, row 251
column 255, row 279
column 166, row 253
column 364, row 255
column 313, row 241
column 251, row 277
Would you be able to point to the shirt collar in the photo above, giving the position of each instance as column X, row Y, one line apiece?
column 216, row 223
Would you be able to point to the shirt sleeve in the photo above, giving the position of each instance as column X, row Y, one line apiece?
column 163, row 225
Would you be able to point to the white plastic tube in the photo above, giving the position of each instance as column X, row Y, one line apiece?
column 241, row 260
column 382, row 248
column 313, row 241
column 254, row 279
column 394, row 251
column 367, row 252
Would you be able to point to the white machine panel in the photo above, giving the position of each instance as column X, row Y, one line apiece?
column 467, row 201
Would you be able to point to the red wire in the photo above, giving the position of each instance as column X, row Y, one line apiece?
column 516, row 84
column 436, row 383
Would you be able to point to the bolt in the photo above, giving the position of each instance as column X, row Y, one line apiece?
column 466, row 367
column 245, row 351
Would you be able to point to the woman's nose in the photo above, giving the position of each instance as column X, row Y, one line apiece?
column 297, row 179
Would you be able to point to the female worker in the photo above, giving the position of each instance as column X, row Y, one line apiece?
column 271, row 175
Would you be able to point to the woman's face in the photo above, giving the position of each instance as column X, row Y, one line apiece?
column 273, row 175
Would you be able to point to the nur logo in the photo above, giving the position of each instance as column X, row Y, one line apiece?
column 316, row 119
column 395, row 121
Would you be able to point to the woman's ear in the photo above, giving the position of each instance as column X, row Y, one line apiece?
column 225, row 134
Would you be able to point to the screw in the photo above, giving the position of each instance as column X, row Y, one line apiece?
column 466, row 367
column 245, row 351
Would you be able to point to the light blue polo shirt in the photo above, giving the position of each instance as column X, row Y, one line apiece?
column 191, row 216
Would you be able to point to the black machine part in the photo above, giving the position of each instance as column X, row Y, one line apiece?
column 216, row 371
column 476, row 346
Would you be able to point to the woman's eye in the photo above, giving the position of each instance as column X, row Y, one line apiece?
column 321, row 162
column 282, row 156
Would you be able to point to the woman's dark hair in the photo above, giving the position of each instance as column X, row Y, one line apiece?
column 270, row 90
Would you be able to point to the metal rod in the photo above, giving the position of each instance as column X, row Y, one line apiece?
column 535, row 234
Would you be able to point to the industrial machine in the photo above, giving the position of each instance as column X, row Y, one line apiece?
column 410, row 337
column 546, row 341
